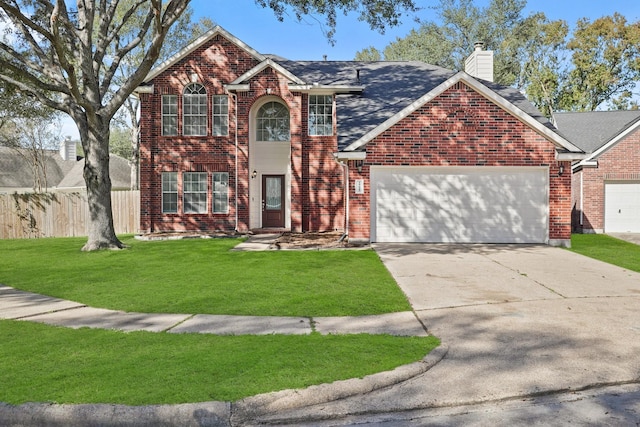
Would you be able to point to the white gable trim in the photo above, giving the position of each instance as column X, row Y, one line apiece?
column 591, row 158
column 264, row 64
column 217, row 30
column 483, row 90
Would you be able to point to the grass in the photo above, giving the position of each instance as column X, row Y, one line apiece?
column 51, row 364
column 203, row 277
column 608, row 249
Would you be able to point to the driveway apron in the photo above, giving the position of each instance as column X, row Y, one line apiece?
column 518, row 320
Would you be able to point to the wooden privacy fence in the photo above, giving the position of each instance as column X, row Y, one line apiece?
column 24, row 216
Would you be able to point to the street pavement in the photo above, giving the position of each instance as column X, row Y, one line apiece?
column 519, row 324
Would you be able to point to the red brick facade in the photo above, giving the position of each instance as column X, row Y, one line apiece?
column 316, row 178
column 618, row 164
column 459, row 127
column 462, row 128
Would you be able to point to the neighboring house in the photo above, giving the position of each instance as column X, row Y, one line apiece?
column 119, row 172
column 606, row 184
column 63, row 171
column 232, row 139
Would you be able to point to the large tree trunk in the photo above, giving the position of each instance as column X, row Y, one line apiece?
column 95, row 142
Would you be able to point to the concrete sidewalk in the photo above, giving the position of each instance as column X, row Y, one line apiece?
column 21, row 305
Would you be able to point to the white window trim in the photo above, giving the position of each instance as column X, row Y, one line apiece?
column 175, row 97
column 205, row 115
column 329, row 116
column 258, row 120
column 221, row 116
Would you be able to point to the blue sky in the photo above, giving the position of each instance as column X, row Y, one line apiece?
column 305, row 40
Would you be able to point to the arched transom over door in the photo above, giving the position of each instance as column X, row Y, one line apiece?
column 271, row 159
column 272, row 122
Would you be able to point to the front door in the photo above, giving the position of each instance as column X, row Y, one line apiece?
column 272, row 201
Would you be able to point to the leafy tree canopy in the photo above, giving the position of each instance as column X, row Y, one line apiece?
column 605, row 59
column 597, row 66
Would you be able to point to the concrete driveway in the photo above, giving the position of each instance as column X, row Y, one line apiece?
column 519, row 320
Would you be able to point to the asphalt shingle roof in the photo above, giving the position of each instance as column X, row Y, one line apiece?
column 389, row 87
column 593, row 129
column 15, row 171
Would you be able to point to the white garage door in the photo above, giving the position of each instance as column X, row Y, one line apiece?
column 622, row 207
column 459, row 204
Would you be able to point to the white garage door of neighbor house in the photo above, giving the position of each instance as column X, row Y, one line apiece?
column 622, row 207
column 460, row 204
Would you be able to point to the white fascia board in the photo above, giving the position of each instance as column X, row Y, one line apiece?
column 199, row 42
column 264, row 64
column 584, row 164
column 569, row 156
column 350, row 155
column 326, row 89
column 483, row 90
column 143, row 89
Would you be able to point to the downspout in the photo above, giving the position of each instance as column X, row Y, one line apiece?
column 345, row 167
column 235, row 105
column 581, row 198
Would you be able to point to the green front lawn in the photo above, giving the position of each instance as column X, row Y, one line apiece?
column 40, row 363
column 608, row 249
column 51, row 364
column 203, row 276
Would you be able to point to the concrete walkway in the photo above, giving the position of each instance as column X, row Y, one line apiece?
column 20, row 305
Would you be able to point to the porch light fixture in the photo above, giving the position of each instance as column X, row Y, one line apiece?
column 254, row 174
column 561, row 170
column 359, row 164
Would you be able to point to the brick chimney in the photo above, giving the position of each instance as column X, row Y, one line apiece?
column 480, row 63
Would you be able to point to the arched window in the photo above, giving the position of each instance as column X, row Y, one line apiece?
column 194, row 110
column 272, row 122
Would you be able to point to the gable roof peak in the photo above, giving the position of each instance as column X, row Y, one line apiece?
column 203, row 39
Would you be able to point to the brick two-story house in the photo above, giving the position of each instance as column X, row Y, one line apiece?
column 232, row 139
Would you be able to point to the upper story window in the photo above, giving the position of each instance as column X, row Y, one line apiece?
column 220, row 125
column 169, row 115
column 320, row 115
column 194, row 110
column 272, row 122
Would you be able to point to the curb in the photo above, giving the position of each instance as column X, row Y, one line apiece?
column 209, row 414
column 251, row 409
